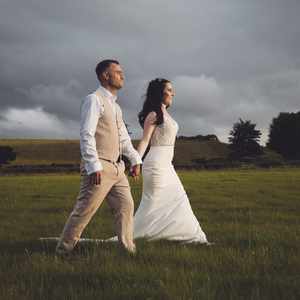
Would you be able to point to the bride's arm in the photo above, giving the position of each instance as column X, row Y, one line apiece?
column 149, row 126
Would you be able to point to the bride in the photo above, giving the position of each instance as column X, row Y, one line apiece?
column 164, row 211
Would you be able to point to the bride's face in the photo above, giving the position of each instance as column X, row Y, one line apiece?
column 168, row 94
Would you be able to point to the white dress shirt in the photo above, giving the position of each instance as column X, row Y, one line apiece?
column 91, row 111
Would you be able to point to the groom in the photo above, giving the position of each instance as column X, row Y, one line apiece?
column 103, row 141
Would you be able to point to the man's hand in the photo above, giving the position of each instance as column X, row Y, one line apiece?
column 95, row 178
column 135, row 171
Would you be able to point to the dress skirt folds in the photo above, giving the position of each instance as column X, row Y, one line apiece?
column 165, row 211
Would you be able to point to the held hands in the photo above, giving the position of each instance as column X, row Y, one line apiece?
column 135, row 171
column 95, row 178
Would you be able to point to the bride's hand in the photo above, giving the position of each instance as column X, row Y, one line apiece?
column 135, row 171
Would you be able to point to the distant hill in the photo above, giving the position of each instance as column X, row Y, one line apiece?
column 187, row 151
column 200, row 138
column 42, row 151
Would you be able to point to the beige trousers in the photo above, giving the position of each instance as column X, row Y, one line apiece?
column 115, row 188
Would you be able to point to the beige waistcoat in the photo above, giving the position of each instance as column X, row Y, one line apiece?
column 108, row 131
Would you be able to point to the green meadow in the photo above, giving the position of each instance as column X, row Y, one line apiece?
column 252, row 216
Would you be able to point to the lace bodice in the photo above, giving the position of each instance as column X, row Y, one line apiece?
column 165, row 133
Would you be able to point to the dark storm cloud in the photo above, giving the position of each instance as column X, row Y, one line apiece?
column 227, row 59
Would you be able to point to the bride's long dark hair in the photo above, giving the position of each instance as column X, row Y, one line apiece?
column 153, row 101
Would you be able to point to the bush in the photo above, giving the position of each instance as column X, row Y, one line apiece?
column 7, row 154
column 284, row 136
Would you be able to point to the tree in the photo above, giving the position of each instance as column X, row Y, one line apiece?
column 244, row 140
column 6, row 154
column 284, row 135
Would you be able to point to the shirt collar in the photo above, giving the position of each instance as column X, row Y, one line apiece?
column 106, row 93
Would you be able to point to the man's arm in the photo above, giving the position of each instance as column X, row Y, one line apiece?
column 127, row 147
column 89, row 115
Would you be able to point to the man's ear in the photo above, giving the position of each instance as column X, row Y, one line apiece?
column 105, row 75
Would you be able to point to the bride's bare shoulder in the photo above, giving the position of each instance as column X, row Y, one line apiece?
column 151, row 117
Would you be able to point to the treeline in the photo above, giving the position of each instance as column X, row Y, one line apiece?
column 201, row 138
column 283, row 138
column 283, row 145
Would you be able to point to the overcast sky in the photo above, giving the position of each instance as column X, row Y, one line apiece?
column 227, row 60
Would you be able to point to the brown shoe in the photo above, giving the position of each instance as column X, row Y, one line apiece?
column 61, row 250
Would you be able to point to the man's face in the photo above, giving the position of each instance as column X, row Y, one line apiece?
column 115, row 76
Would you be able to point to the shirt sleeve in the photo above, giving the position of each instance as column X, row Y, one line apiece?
column 127, row 148
column 90, row 113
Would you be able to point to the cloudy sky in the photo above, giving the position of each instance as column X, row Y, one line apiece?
column 227, row 60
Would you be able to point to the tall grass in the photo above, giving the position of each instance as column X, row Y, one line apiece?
column 251, row 215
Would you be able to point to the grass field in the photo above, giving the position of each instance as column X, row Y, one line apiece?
column 251, row 215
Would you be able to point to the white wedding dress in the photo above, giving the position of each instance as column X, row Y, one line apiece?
column 165, row 211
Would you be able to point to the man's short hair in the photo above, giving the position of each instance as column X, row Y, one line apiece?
column 103, row 65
